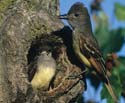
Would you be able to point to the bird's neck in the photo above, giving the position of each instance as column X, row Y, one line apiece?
column 83, row 28
column 86, row 31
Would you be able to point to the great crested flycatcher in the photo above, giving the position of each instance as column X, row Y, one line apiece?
column 41, row 71
column 85, row 45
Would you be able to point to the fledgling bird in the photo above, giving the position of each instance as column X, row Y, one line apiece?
column 42, row 71
column 85, row 45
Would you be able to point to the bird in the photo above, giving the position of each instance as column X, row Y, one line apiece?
column 41, row 71
column 85, row 45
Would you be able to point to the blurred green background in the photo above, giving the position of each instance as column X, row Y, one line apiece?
column 108, row 22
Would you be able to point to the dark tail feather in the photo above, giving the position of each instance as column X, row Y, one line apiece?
column 109, row 87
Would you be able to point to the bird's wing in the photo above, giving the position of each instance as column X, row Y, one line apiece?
column 92, row 52
column 32, row 69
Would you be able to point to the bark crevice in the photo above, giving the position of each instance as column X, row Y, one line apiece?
column 26, row 32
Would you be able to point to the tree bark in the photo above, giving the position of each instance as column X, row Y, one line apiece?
column 28, row 27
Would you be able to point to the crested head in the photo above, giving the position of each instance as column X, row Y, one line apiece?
column 46, row 54
column 77, row 7
column 45, row 60
column 78, row 16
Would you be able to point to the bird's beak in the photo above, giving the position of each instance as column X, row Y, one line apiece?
column 65, row 16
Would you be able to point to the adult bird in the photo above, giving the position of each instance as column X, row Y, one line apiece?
column 85, row 45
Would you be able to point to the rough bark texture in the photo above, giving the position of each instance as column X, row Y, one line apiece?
column 28, row 27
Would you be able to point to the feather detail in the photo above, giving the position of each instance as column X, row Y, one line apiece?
column 109, row 87
column 92, row 52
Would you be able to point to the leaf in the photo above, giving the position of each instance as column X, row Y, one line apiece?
column 110, row 41
column 120, row 11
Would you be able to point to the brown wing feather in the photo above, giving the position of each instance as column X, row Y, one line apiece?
column 94, row 55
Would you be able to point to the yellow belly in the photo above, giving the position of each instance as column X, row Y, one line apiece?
column 42, row 78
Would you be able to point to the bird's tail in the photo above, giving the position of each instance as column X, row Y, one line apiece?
column 109, row 87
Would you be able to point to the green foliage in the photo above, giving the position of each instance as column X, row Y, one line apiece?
column 115, row 40
column 122, row 73
column 109, row 40
column 120, row 11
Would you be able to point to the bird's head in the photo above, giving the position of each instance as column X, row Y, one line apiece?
column 45, row 53
column 77, row 16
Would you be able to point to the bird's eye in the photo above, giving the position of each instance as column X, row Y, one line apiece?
column 76, row 15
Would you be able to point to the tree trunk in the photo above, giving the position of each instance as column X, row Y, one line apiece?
column 28, row 27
